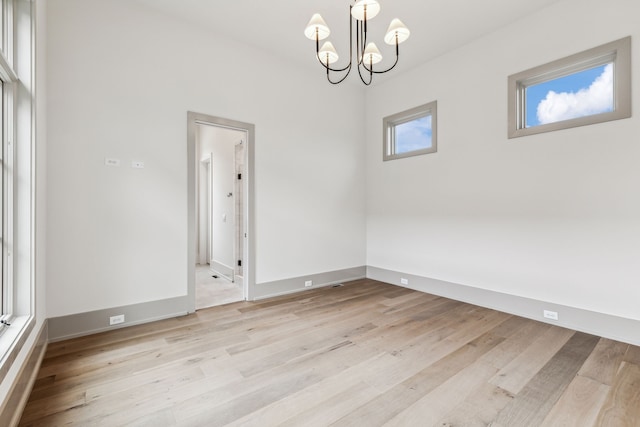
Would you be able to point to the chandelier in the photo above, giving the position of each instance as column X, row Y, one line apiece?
column 367, row 54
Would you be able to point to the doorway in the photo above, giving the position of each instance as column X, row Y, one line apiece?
column 220, row 202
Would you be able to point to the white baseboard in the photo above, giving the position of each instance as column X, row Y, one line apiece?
column 297, row 284
column 591, row 322
column 604, row 325
column 222, row 270
column 91, row 322
column 18, row 396
column 80, row 324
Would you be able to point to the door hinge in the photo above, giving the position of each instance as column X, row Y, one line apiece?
column 239, row 176
column 239, row 263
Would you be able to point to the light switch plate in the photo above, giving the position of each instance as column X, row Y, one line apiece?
column 111, row 162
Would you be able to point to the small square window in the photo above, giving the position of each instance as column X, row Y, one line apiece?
column 411, row 132
column 590, row 87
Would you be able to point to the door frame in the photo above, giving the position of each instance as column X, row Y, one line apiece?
column 193, row 120
column 206, row 165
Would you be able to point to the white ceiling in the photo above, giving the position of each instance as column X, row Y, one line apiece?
column 277, row 26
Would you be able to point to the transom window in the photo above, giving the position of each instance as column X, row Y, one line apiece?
column 590, row 87
column 411, row 132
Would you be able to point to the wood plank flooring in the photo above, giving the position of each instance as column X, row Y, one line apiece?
column 363, row 354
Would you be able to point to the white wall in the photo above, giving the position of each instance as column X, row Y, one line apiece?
column 553, row 217
column 221, row 143
column 121, row 80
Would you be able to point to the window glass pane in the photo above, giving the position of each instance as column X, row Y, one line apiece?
column 413, row 132
column 413, row 135
column 580, row 94
column 3, row 284
column 2, row 13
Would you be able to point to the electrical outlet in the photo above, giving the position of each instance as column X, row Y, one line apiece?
column 114, row 320
column 404, row 281
column 553, row 315
column 308, row 283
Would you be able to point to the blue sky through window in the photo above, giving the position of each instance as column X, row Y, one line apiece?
column 413, row 135
column 580, row 94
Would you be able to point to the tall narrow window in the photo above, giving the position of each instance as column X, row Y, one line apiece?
column 3, row 290
column 410, row 133
column 3, row 299
column 6, row 201
column 17, row 154
column 2, row 23
column 590, row 87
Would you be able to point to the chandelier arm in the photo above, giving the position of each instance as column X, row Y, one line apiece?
column 350, row 54
column 351, row 36
column 370, row 74
column 341, row 80
column 365, row 19
column 362, row 32
column 388, row 69
column 348, row 66
column 338, row 70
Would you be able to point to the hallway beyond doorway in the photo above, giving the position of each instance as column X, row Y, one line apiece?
column 228, row 262
column 211, row 291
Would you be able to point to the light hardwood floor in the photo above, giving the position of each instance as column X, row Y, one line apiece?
column 365, row 354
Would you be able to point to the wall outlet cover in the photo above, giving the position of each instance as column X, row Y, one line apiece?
column 114, row 320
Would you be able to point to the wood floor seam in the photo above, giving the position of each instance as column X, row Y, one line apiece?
column 366, row 353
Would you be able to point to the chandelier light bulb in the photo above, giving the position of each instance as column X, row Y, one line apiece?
column 328, row 54
column 372, row 8
column 396, row 28
column 371, row 54
column 317, row 27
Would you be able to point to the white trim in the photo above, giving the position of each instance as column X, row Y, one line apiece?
column 92, row 322
column 389, row 124
column 222, row 270
column 19, row 185
column 18, row 396
column 297, row 284
column 248, row 265
column 617, row 52
column 591, row 322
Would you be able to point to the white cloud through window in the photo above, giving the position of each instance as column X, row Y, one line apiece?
column 413, row 135
column 597, row 98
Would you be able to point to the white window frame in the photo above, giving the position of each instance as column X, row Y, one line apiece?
column 617, row 52
column 389, row 124
column 9, row 79
column 17, row 72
